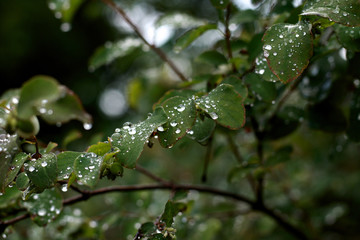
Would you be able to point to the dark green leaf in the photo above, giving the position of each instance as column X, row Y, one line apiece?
column 263, row 70
column 263, row 90
column 147, row 228
column 43, row 171
column 9, row 198
column 15, row 166
column 212, row 57
column 238, row 85
column 340, row 11
column 224, row 105
column 353, row 131
column 130, row 139
column 65, row 162
column 22, row 181
column 202, row 129
column 280, row 156
column 186, row 93
column 87, row 168
column 288, row 48
column 349, row 37
column 171, row 210
column 181, row 114
column 44, row 207
column 191, row 35
column 157, row 236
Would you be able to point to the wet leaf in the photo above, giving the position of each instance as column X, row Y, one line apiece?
column 147, row 229
column 353, row 131
column 111, row 51
column 65, row 163
column 288, row 49
column 9, row 198
column 238, row 85
column 181, row 114
column 36, row 91
column 43, row 171
column 100, row 148
column 202, row 130
column 44, row 207
column 15, row 166
column 186, row 93
column 340, row 11
column 224, row 105
column 190, row 36
column 263, row 90
column 263, row 70
column 349, row 37
column 171, row 210
column 157, row 236
column 22, row 181
column 87, row 168
column 64, row 9
column 212, row 57
column 130, row 139
column 67, row 107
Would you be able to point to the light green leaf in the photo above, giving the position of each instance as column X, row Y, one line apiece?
column 100, row 148
column 349, row 37
column 288, row 49
column 181, row 114
column 224, row 105
column 340, row 11
column 65, row 162
column 190, row 36
column 43, row 171
column 38, row 90
column 64, row 9
column 87, row 168
column 44, row 207
column 111, row 51
column 130, row 139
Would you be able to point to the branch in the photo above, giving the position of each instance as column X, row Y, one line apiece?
column 151, row 175
column 158, row 51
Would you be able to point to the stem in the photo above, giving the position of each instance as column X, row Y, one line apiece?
column 208, row 158
column 228, row 36
column 151, row 175
column 235, row 149
column 158, row 51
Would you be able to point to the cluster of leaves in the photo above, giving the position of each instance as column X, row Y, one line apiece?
column 253, row 81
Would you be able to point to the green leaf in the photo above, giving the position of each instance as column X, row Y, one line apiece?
column 130, row 139
column 100, row 148
column 349, row 37
column 15, row 166
column 224, row 105
column 186, row 93
column 64, row 9
column 35, row 92
column 280, row 156
column 8, row 147
column 44, row 207
column 9, row 198
column 202, row 130
column 171, row 210
column 111, row 51
column 263, row 70
column 29, row 127
column 87, row 168
column 353, row 131
column 157, row 236
column 51, row 146
column 64, row 109
column 65, row 163
column 22, row 181
column 326, row 117
column 340, row 11
column 43, row 171
column 238, row 85
column 288, row 48
column 220, row 3
column 181, row 114
column 147, row 229
column 212, row 57
column 187, row 38
column 263, row 90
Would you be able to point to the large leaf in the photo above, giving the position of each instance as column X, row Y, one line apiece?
column 8, row 147
column 346, row 12
column 64, row 109
column 353, row 130
column 181, row 114
column 35, row 92
column 224, row 105
column 65, row 162
column 191, row 35
column 349, row 37
column 87, row 168
column 111, row 51
column 43, row 171
column 238, row 85
column 44, row 207
column 288, row 48
column 130, row 139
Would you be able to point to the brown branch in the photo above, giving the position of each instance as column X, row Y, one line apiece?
column 157, row 50
column 151, row 175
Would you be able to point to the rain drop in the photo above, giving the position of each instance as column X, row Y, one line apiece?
column 41, row 212
column 173, row 124
column 178, row 131
column 160, row 129
column 181, row 108
column 31, row 169
column 64, row 188
column 44, row 164
column 132, row 131
column 87, row 126
column 268, row 47
column 213, row 115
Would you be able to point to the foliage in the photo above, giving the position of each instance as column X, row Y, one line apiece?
column 266, row 97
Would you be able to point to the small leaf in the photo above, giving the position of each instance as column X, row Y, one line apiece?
column 130, row 140
column 212, row 57
column 64, row 109
column 349, row 37
column 22, row 181
column 171, row 210
column 191, row 35
column 147, row 229
column 238, row 85
column 202, row 130
column 288, row 48
column 15, row 166
column 353, row 131
column 87, row 168
column 263, row 70
column 181, row 114
column 340, row 11
column 111, row 51
column 51, row 146
column 43, row 171
column 100, row 148
column 224, row 105
column 44, row 207
column 36, row 91
column 64, row 9
column 263, row 90
column 10, row 197
column 220, row 3
column 65, row 162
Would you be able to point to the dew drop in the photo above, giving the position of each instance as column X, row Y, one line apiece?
column 281, row 36
column 177, row 131
column 87, row 126
column 213, row 115
column 31, row 169
column 160, row 129
column 44, row 164
column 117, row 130
column 132, row 131
column 181, row 108
column 173, row 124
column 41, row 212
column 64, row 188
column 268, row 47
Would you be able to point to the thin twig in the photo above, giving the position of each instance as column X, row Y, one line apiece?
column 235, row 149
column 228, row 37
column 208, row 158
column 151, row 175
column 157, row 50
